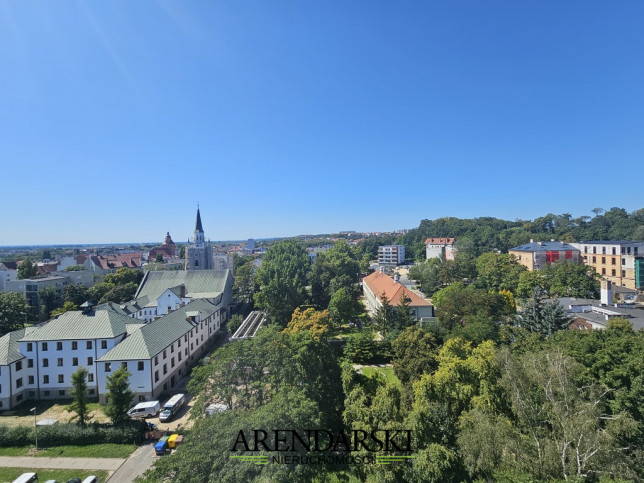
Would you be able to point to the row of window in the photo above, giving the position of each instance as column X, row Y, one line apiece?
column 624, row 250
column 45, row 380
column 59, row 345
column 140, row 366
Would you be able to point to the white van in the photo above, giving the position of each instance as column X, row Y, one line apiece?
column 26, row 478
column 144, row 410
column 171, row 408
column 90, row 479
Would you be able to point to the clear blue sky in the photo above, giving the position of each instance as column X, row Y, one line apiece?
column 290, row 117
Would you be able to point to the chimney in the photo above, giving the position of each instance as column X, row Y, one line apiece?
column 606, row 292
column 182, row 291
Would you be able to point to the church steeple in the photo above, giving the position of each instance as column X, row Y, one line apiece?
column 198, row 227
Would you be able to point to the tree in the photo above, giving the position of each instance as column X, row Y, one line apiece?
column 182, row 252
column 79, row 394
column 49, row 300
column 77, row 294
column 317, row 323
column 74, row 268
column 344, row 307
column 543, row 317
column 245, row 284
column 124, row 276
column 158, row 258
column 332, row 270
column 499, row 271
column 402, row 315
column 414, row 354
column 46, row 254
column 26, row 269
column 385, row 315
column 234, row 323
column 282, row 279
column 119, row 396
column 13, row 312
column 67, row 307
column 360, row 347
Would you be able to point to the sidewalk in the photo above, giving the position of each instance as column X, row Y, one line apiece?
column 109, row 464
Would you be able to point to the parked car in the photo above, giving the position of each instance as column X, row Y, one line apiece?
column 170, row 408
column 144, row 410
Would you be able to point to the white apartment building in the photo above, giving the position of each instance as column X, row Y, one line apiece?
column 391, row 254
column 440, row 247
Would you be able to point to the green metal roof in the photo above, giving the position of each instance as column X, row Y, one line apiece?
column 198, row 283
column 152, row 338
column 99, row 324
column 9, row 345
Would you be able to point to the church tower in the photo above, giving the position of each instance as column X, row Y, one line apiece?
column 199, row 252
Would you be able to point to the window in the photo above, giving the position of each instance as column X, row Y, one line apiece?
column 30, row 347
column 179, row 356
column 19, row 398
column 45, row 362
column 59, row 346
column 185, row 338
column 594, row 259
column 613, row 272
column 172, row 349
column 45, row 379
column 19, row 382
column 44, row 346
column 103, row 344
column 91, row 391
column 612, row 262
column 108, row 367
column 156, row 376
column 603, row 250
column 179, row 343
column 88, row 344
column 46, row 393
column 156, row 360
column 61, row 378
column 90, row 361
column 165, row 369
column 31, row 379
column 90, row 377
column 614, row 251
column 60, row 362
column 30, row 363
column 172, row 362
column 603, row 271
column 164, row 353
column 141, row 398
column 623, row 273
column 186, row 351
column 19, row 366
column 75, row 361
column 124, row 365
column 74, row 345
column 603, row 260
column 140, row 366
column 61, row 392
column 623, row 261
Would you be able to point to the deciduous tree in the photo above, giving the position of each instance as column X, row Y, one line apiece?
column 119, row 396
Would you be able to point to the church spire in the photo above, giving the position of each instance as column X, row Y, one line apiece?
column 198, row 227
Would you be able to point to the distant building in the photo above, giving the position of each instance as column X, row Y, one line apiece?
column 440, row 247
column 199, row 252
column 536, row 255
column 391, row 254
column 8, row 273
column 621, row 262
column 104, row 264
column 167, row 250
column 378, row 285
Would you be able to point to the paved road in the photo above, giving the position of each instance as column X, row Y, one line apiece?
column 139, row 461
column 109, row 464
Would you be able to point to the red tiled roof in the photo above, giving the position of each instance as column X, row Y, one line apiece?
column 110, row 262
column 80, row 258
column 381, row 284
column 439, row 241
column 47, row 268
column 167, row 251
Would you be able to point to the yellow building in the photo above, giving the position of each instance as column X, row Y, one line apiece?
column 536, row 255
column 616, row 261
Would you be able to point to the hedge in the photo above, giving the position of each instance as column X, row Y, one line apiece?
column 71, row 434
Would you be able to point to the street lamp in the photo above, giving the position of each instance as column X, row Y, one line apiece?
column 35, row 425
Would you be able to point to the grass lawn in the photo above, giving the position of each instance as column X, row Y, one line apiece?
column 386, row 372
column 107, row 450
column 10, row 474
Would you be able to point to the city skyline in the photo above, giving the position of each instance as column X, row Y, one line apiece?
column 285, row 119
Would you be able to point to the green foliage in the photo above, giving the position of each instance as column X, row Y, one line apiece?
column 79, row 394
column 98, row 291
column 414, row 354
column 282, row 279
column 49, row 300
column 234, row 323
column 344, row 306
column 498, row 272
column 77, row 294
column 315, row 322
column 245, row 284
column 74, row 268
column 124, row 276
column 158, row 258
column 70, row 434
column 67, row 307
column 119, row 396
column 360, row 348
column 560, row 280
column 27, row 269
column 13, row 310
column 385, row 317
column 542, row 316
column 332, row 270
column 46, row 254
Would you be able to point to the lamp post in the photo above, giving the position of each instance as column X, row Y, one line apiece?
column 35, row 426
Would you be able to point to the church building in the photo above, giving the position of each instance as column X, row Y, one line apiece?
column 199, row 252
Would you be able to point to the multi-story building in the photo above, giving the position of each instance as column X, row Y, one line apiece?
column 617, row 261
column 8, row 273
column 440, row 247
column 378, row 285
column 391, row 254
column 38, row 362
column 536, row 255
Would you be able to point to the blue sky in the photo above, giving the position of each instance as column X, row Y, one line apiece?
column 290, row 117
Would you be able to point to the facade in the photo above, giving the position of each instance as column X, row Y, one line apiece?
column 167, row 250
column 38, row 362
column 8, row 273
column 160, row 353
column 378, row 285
column 391, row 254
column 440, row 247
column 617, row 261
column 536, row 255
column 199, row 252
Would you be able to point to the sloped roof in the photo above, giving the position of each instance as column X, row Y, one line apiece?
column 439, row 241
column 198, row 226
column 152, row 338
column 380, row 283
column 544, row 247
column 9, row 265
column 9, row 345
column 99, row 324
column 198, row 283
column 110, row 262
